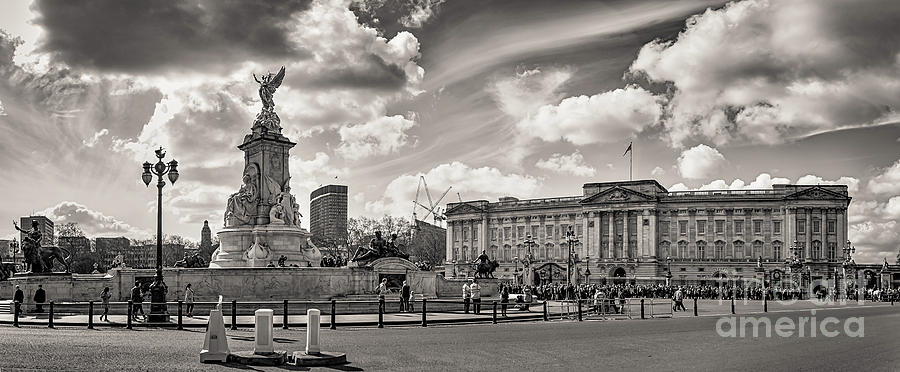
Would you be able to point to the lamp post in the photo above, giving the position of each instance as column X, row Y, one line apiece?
column 14, row 246
column 159, row 289
column 847, row 251
column 587, row 270
column 572, row 240
column 528, row 261
column 516, row 272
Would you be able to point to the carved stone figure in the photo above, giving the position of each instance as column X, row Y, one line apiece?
column 194, row 261
column 618, row 195
column 267, row 119
column 277, row 214
column 31, row 246
column 242, row 204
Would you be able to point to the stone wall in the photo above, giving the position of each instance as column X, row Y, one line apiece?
column 247, row 284
column 452, row 288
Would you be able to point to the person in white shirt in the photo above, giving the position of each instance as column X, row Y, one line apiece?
column 189, row 300
column 467, row 295
column 476, row 297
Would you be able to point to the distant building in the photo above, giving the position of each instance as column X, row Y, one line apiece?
column 76, row 245
column 328, row 214
column 44, row 225
column 429, row 243
column 144, row 256
column 108, row 248
column 206, row 245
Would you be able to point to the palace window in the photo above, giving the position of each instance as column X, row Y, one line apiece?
column 720, row 227
column 720, row 249
column 701, row 249
column 535, row 231
column 701, row 227
column 682, row 227
column 738, row 249
column 578, row 230
column 549, row 231
column 682, row 249
column 465, row 233
column 507, row 233
column 776, row 250
column 664, row 227
column 507, row 254
column 816, row 226
column 776, row 227
column 664, row 249
column 475, row 233
column 521, row 232
column 832, row 226
column 757, row 249
column 456, row 235
column 816, row 250
column 797, row 249
column 832, row 251
column 757, row 227
column 801, row 226
column 738, row 226
column 494, row 233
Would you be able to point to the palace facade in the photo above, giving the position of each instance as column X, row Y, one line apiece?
column 639, row 230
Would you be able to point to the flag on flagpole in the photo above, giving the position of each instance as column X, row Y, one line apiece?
column 628, row 149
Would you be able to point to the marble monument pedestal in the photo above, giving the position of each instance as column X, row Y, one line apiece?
column 257, row 246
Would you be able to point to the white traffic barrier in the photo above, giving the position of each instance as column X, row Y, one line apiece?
column 215, row 345
column 265, row 343
column 312, row 331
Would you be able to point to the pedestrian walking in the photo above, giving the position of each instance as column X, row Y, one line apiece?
column 189, row 300
column 679, row 300
column 467, row 295
column 104, row 298
column 476, row 297
column 405, row 293
column 19, row 297
column 39, row 297
column 504, row 299
column 136, row 300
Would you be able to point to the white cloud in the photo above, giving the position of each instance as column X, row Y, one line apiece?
column 602, row 118
column 525, row 93
column 658, row 172
column 421, row 12
column 679, row 187
column 851, row 182
column 888, row 181
column 892, row 208
column 701, row 161
column 2, row 110
column 381, row 136
column 471, row 183
column 572, row 164
column 767, row 70
column 91, row 142
column 93, row 223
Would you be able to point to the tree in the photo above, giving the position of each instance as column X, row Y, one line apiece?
column 69, row 229
column 428, row 243
column 361, row 230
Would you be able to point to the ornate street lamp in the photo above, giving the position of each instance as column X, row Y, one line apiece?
column 528, row 261
column 572, row 240
column 516, row 272
column 668, row 270
column 587, row 270
column 159, row 289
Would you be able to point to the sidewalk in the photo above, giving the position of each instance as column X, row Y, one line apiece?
column 348, row 320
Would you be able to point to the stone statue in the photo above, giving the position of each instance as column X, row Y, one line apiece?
column 242, row 204
column 194, row 261
column 394, row 250
column 31, row 247
column 290, row 204
column 376, row 250
column 277, row 214
column 267, row 119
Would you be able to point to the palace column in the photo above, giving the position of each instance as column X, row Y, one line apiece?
column 790, row 235
column 652, row 234
column 612, row 233
column 484, row 235
column 625, row 252
column 599, row 234
column 808, row 248
column 841, row 222
column 586, row 244
column 449, row 241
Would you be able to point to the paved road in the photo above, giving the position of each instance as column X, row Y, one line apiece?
column 659, row 344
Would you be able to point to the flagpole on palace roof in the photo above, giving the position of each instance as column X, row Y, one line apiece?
column 630, row 151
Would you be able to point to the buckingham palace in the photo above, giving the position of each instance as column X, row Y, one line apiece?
column 638, row 230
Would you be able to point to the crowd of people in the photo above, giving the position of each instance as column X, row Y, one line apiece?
column 332, row 260
column 563, row 291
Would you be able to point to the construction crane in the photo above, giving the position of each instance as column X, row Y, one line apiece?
column 433, row 208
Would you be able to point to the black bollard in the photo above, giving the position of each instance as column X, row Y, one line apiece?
column 233, row 315
column 732, row 305
column 284, row 322
column 91, row 315
column 16, row 307
column 180, row 323
column 333, row 316
column 765, row 304
column 50, row 320
column 424, row 318
column 546, row 316
column 130, row 314
column 494, row 315
column 642, row 309
column 695, row 306
column 579, row 310
column 380, row 313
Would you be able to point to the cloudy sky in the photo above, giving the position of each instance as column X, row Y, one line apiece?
column 492, row 97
